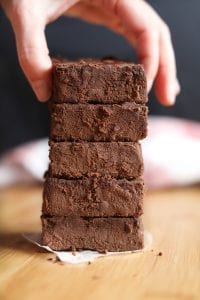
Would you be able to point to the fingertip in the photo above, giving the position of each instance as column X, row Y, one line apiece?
column 164, row 92
column 174, row 90
column 34, row 58
column 170, row 99
column 42, row 89
column 150, row 64
column 38, row 68
column 167, row 95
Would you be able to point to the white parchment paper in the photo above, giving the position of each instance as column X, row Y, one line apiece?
column 86, row 255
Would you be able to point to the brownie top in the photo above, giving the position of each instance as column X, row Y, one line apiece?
column 62, row 63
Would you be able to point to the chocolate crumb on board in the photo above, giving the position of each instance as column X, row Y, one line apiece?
column 160, row 254
column 50, row 258
column 53, row 259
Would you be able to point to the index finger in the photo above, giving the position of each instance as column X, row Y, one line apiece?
column 33, row 53
column 143, row 29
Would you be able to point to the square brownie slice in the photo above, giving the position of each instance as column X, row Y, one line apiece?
column 93, row 197
column 77, row 160
column 100, row 234
column 98, row 81
column 97, row 123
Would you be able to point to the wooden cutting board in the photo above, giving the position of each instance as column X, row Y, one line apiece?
column 169, row 270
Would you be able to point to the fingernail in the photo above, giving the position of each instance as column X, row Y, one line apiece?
column 172, row 96
column 177, row 87
column 42, row 90
column 149, row 85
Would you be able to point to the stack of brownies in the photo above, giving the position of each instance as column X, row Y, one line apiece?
column 93, row 193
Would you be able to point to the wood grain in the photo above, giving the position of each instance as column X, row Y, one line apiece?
column 173, row 218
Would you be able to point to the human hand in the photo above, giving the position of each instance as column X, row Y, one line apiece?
column 135, row 19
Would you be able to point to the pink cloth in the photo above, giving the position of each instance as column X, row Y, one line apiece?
column 171, row 156
column 171, row 152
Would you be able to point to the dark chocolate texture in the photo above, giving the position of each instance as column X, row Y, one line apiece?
column 102, row 81
column 95, row 197
column 76, row 160
column 101, row 234
column 126, row 122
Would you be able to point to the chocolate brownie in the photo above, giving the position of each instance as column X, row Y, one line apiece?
column 102, row 81
column 76, row 160
column 94, row 197
column 71, row 122
column 101, row 234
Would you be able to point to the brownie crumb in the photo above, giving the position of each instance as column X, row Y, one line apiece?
column 160, row 254
column 73, row 251
column 128, row 228
column 52, row 259
column 103, row 251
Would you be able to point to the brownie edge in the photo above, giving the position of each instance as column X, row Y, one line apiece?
column 100, row 234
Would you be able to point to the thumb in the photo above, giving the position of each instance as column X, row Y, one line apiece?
column 34, row 57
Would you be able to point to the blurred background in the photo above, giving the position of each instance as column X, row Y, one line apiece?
column 23, row 119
